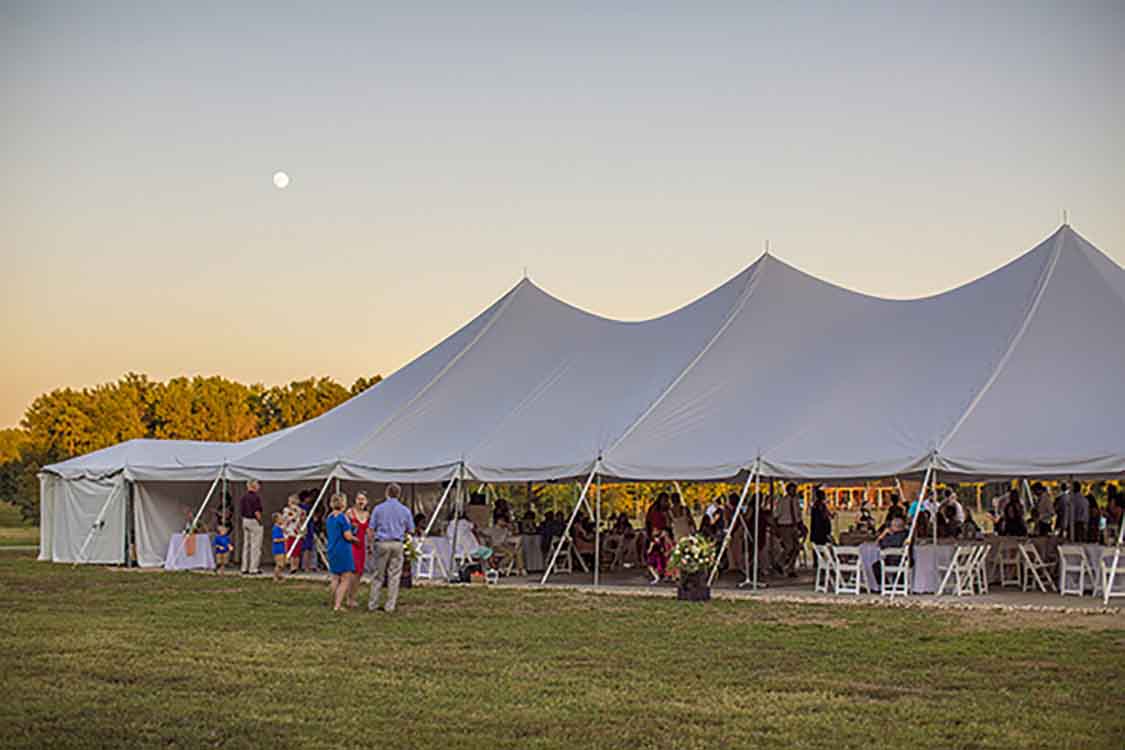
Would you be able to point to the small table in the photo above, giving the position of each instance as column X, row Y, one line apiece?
column 177, row 557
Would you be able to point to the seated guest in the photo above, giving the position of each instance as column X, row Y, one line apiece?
column 708, row 530
column 582, row 536
column 924, row 526
column 894, row 511
column 948, row 526
column 970, row 529
column 528, row 525
column 865, row 524
column 1011, row 522
column 892, row 537
column 656, row 556
column 419, row 523
column 549, row 530
column 501, row 509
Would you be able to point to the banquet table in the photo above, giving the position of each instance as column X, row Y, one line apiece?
column 1094, row 554
column 177, row 558
column 928, row 558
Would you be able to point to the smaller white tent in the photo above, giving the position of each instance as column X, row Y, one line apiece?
column 83, row 501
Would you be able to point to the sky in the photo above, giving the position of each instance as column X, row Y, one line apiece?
column 629, row 156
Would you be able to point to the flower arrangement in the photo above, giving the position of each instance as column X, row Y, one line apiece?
column 411, row 548
column 692, row 554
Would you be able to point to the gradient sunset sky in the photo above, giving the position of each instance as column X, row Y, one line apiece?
column 631, row 156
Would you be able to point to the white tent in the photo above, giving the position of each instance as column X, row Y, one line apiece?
column 1015, row 374
column 83, row 501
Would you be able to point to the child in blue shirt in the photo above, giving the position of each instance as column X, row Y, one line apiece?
column 221, row 544
column 278, row 547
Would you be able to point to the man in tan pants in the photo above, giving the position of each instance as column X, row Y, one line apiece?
column 391, row 521
column 250, row 507
column 787, row 516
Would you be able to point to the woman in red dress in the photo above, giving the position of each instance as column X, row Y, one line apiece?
column 359, row 517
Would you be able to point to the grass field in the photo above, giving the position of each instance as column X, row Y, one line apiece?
column 95, row 658
column 14, row 531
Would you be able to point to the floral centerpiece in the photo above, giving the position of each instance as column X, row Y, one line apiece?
column 411, row 548
column 692, row 559
column 411, row 551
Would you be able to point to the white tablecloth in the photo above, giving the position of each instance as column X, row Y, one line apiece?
column 1094, row 553
column 178, row 559
column 924, row 572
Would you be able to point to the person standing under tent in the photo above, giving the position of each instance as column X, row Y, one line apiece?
column 949, row 499
column 359, row 517
column 1079, row 508
column 787, row 516
column 391, row 521
column 682, row 523
column 1043, row 509
column 292, row 521
column 308, row 544
column 341, row 563
column 820, row 519
column 250, row 508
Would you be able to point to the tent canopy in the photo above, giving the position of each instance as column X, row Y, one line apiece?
column 1016, row 373
column 143, row 458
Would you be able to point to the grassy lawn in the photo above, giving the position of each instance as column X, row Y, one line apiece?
column 14, row 531
column 95, row 657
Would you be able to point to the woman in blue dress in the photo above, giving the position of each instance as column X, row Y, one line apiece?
column 341, row 537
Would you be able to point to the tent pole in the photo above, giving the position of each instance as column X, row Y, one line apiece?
column 458, row 508
column 570, row 523
column 752, row 567
column 438, row 507
column 198, row 513
column 597, row 528
column 730, row 528
column 309, row 515
column 1108, row 585
column 933, row 504
column 99, row 522
column 909, row 543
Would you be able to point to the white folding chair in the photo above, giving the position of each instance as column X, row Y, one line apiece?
column 825, row 568
column 424, row 567
column 1106, row 566
column 894, row 577
column 1072, row 566
column 960, row 569
column 980, row 569
column 1036, row 572
column 564, row 563
column 1009, row 563
column 851, row 578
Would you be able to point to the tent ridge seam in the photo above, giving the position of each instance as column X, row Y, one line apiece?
column 440, row 374
column 751, row 284
column 1044, row 282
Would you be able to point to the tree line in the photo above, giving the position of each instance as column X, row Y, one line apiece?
column 69, row 422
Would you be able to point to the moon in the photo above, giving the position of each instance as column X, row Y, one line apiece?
column 280, row 180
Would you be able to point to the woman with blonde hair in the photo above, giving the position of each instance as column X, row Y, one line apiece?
column 341, row 537
column 292, row 523
column 359, row 517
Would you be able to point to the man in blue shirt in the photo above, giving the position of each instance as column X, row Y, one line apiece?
column 391, row 521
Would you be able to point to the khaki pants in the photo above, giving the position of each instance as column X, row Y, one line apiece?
column 251, row 546
column 790, row 547
column 388, row 563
